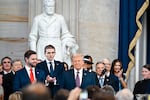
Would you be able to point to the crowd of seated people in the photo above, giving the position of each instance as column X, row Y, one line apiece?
column 54, row 80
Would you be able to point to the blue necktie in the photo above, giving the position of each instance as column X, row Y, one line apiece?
column 101, row 81
column 51, row 69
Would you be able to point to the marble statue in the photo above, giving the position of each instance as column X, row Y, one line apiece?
column 50, row 28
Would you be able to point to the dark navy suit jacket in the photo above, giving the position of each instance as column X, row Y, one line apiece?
column 58, row 70
column 68, row 81
column 22, row 79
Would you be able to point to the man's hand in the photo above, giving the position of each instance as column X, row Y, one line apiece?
column 50, row 79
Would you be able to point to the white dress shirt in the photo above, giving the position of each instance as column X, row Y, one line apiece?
column 6, row 72
column 28, row 71
column 48, row 64
column 102, row 78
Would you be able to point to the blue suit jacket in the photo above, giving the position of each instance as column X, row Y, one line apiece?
column 22, row 79
column 68, row 81
column 58, row 70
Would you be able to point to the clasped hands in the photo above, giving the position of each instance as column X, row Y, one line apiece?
column 50, row 79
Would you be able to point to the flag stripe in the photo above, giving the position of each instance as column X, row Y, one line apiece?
column 136, row 37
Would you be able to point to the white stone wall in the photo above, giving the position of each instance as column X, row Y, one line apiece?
column 98, row 28
column 13, row 28
column 93, row 22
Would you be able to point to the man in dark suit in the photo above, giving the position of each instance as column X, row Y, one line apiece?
column 52, row 68
column 77, row 77
column 103, row 78
column 29, row 74
column 7, row 76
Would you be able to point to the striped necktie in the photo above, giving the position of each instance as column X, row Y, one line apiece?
column 77, row 80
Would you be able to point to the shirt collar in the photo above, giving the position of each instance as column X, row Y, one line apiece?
column 101, row 76
column 28, row 68
column 47, row 61
column 80, row 71
column 7, row 72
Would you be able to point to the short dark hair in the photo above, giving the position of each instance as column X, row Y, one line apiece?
column 36, row 91
column 103, row 96
column 6, row 57
column 109, row 89
column 99, row 62
column 92, row 89
column 61, row 94
column 49, row 47
column 28, row 53
column 147, row 66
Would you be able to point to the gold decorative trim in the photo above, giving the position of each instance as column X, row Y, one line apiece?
column 136, row 37
column 14, row 39
column 13, row 18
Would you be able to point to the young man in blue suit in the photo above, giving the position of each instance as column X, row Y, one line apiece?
column 52, row 68
column 77, row 77
column 29, row 74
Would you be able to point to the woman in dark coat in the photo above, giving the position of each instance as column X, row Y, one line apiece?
column 143, row 86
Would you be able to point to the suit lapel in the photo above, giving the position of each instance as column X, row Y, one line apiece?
column 37, row 74
column 25, row 73
column 73, row 79
column 56, row 67
column 46, row 67
column 84, row 78
column 106, row 81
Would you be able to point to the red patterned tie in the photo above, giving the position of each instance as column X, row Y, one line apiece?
column 31, row 75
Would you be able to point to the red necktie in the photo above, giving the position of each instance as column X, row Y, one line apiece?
column 31, row 75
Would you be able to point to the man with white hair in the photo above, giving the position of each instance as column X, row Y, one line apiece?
column 124, row 94
column 107, row 64
column 50, row 28
column 77, row 77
